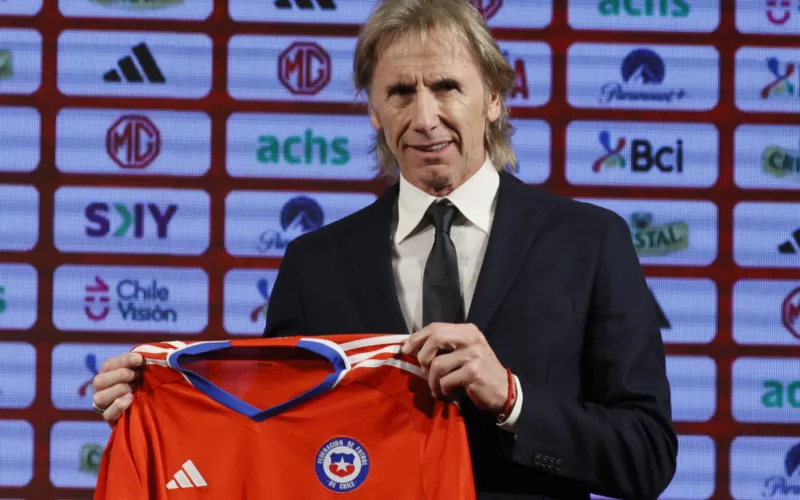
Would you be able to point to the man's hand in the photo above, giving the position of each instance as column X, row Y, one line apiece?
column 114, row 385
column 458, row 355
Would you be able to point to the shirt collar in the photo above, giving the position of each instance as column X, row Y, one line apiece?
column 474, row 199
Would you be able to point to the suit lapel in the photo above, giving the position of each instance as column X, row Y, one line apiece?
column 370, row 260
column 516, row 223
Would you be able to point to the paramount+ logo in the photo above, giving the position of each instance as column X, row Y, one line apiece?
column 304, row 68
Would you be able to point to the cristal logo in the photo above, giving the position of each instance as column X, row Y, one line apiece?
column 96, row 301
column 299, row 215
column 643, row 155
column 781, row 162
column 521, row 83
column 641, row 70
column 303, row 149
column 780, row 486
column 2, row 300
column 653, row 240
column 679, row 8
column 90, row 361
column 261, row 310
column 780, row 86
column 133, row 141
column 304, row 68
column 98, row 215
column 91, row 455
column 778, row 12
column 790, row 312
column 488, row 8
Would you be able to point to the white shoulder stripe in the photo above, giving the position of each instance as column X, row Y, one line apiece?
column 369, row 342
column 151, row 349
column 403, row 365
column 357, row 358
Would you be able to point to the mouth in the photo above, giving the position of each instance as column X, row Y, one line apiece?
column 434, row 147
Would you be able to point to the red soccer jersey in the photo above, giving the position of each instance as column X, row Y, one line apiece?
column 343, row 416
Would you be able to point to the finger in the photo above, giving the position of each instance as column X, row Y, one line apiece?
column 127, row 360
column 447, row 338
column 441, row 366
column 462, row 377
column 417, row 339
column 115, row 411
column 103, row 381
column 106, row 398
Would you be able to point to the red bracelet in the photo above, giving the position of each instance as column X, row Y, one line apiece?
column 509, row 398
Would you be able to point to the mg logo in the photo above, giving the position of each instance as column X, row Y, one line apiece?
column 488, row 8
column 133, row 141
column 304, row 68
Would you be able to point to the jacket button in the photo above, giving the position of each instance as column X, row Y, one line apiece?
column 537, row 459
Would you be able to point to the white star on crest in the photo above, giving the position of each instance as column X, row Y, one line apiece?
column 341, row 464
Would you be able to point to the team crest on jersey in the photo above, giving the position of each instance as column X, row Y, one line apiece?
column 342, row 464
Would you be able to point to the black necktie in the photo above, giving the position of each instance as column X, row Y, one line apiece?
column 441, row 291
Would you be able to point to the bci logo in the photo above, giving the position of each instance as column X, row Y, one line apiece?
column 133, row 141
column 304, row 68
column 135, row 301
column 299, row 215
column 642, row 156
column 306, row 149
column 136, row 217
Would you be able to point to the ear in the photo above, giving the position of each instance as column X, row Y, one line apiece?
column 493, row 107
column 373, row 119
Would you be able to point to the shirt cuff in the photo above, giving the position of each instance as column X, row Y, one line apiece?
column 510, row 423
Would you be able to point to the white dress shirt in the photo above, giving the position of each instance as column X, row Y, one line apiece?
column 476, row 200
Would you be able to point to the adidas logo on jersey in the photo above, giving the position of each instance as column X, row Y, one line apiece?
column 187, row 477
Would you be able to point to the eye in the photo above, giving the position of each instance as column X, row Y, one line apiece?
column 446, row 85
column 401, row 90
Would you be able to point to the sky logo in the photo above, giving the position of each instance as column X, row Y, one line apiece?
column 261, row 310
column 299, row 215
column 98, row 214
column 613, row 156
column 781, row 85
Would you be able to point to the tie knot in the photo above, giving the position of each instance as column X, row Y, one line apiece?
column 442, row 214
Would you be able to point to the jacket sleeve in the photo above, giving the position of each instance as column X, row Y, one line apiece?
column 285, row 309
column 619, row 440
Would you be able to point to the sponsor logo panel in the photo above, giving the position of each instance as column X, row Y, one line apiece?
column 766, row 390
column 130, row 220
column 653, row 77
column 766, row 17
column 19, row 217
column 515, row 13
column 765, row 467
column 20, row 7
column 766, row 312
column 19, row 296
column 642, row 154
column 291, row 68
column 133, row 142
column 246, row 298
column 669, row 233
column 273, row 145
column 767, row 79
column 531, row 143
column 767, row 157
column 74, row 367
column 301, row 11
column 20, row 139
column 134, row 64
column 130, row 299
column 263, row 223
column 766, row 234
column 20, row 61
column 17, row 375
column 76, row 449
column 646, row 15
column 16, row 453
column 532, row 63
column 686, row 309
column 693, row 381
column 181, row 10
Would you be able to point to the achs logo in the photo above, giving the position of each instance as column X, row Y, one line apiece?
column 643, row 155
column 680, row 8
column 6, row 66
column 780, row 86
column 98, row 215
column 305, row 4
column 780, row 486
column 521, row 83
column 131, row 72
column 304, row 68
column 133, row 141
column 642, row 70
column 792, row 245
column 303, row 149
column 780, row 162
column 139, row 4
column 652, row 240
column 96, row 301
column 299, row 215
column 663, row 321
column 790, row 312
column 263, row 289
column 90, row 456
column 90, row 361
column 342, row 465
column 779, row 11
column 488, row 8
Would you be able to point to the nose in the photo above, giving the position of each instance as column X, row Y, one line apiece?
column 425, row 112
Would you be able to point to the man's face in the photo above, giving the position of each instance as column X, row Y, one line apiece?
column 430, row 103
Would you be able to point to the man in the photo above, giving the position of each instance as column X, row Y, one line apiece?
column 529, row 308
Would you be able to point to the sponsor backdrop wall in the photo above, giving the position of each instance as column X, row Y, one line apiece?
column 157, row 156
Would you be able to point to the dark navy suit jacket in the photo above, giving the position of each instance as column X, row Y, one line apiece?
column 562, row 300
